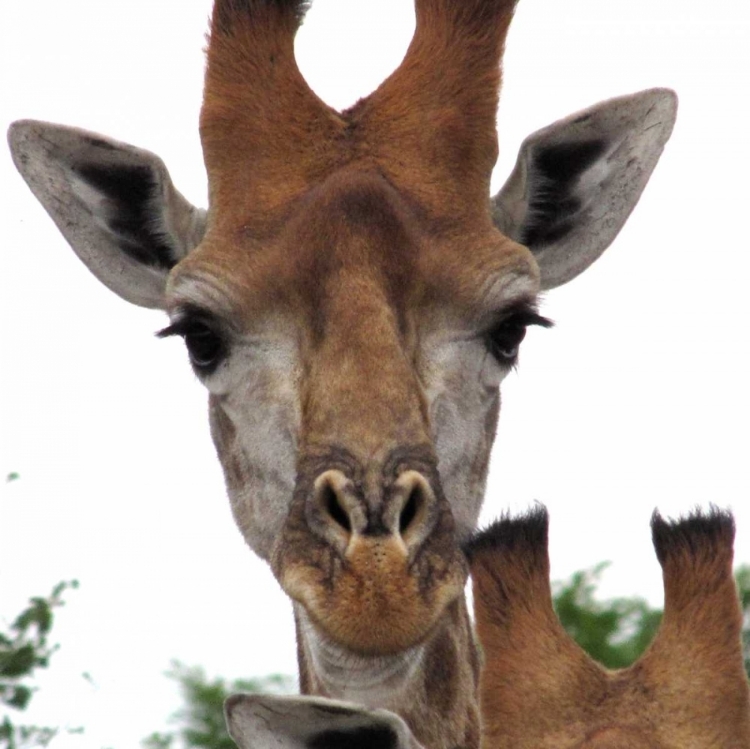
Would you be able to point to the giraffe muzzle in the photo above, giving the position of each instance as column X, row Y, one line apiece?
column 374, row 564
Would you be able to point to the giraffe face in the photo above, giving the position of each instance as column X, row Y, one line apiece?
column 359, row 496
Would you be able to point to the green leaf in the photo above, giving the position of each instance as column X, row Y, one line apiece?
column 6, row 731
column 614, row 632
column 23, row 648
column 12, row 476
column 60, row 587
column 17, row 662
column 20, row 697
column 158, row 741
column 38, row 613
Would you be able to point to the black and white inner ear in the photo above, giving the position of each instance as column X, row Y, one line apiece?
column 125, row 201
column 556, row 196
column 362, row 737
column 293, row 722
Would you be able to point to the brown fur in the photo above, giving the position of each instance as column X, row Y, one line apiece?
column 539, row 689
column 429, row 129
column 352, row 309
column 351, row 228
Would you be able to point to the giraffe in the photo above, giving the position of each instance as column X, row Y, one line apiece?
column 539, row 689
column 352, row 299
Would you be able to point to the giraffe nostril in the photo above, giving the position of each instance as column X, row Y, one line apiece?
column 413, row 506
column 410, row 510
column 330, row 502
column 333, row 507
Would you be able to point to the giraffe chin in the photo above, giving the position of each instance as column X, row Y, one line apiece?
column 377, row 602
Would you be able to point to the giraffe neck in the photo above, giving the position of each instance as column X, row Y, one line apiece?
column 432, row 686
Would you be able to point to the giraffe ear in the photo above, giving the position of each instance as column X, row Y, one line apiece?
column 265, row 722
column 576, row 181
column 115, row 204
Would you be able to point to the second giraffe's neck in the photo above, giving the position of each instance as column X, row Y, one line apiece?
column 433, row 686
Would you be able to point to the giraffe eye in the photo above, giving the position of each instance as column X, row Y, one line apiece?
column 504, row 338
column 206, row 347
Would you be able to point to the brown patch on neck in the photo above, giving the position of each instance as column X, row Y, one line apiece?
column 306, row 681
column 450, row 682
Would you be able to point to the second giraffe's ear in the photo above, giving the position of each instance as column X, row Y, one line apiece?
column 114, row 203
column 576, row 181
column 265, row 722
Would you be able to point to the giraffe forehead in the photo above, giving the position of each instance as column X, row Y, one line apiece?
column 348, row 234
column 352, row 245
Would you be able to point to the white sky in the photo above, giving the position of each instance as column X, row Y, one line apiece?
column 636, row 399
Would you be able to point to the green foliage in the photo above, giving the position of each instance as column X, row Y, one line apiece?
column 23, row 650
column 13, row 736
column 742, row 575
column 201, row 720
column 612, row 632
column 617, row 631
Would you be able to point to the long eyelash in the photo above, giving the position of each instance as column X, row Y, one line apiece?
column 187, row 317
column 179, row 327
column 532, row 317
column 523, row 313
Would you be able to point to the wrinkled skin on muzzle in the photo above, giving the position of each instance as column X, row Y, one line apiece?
column 371, row 555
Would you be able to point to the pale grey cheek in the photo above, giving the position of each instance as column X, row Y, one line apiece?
column 463, row 429
column 263, row 462
column 263, row 503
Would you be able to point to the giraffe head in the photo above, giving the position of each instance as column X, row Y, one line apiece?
column 538, row 687
column 352, row 298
